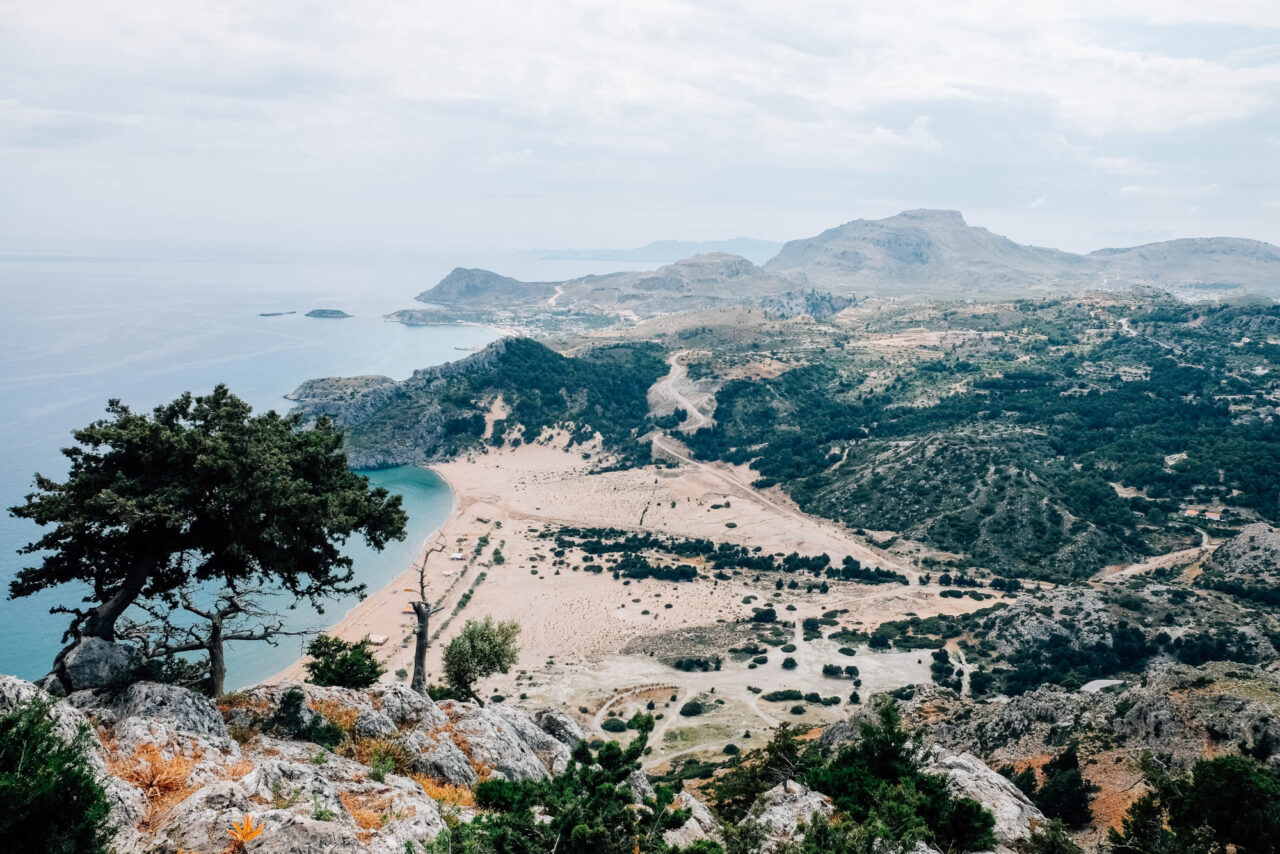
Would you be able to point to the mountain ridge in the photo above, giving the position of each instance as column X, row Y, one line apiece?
column 924, row 253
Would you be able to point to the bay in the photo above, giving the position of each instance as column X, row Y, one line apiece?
column 83, row 328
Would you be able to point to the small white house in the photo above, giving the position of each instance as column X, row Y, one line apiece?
column 457, row 556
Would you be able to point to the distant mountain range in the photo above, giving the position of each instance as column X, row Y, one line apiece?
column 669, row 251
column 920, row 253
column 938, row 253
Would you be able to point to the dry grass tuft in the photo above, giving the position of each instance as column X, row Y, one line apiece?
column 164, row 782
column 343, row 717
column 236, row 770
column 242, row 734
column 370, row 812
column 365, row 750
column 241, row 700
column 446, row 793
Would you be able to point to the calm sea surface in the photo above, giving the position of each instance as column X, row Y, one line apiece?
column 78, row 331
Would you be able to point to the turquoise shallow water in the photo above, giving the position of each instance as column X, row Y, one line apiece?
column 77, row 332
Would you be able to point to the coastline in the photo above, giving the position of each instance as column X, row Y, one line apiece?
column 585, row 635
column 378, row 601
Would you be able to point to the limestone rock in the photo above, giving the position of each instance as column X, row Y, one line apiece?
column 309, row 800
column 372, row 724
column 701, row 824
column 641, row 788
column 437, row 756
column 969, row 777
column 96, row 663
column 127, row 804
column 507, row 742
column 406, row 707
column 186, row 710
column 560, row 726
column 787, row 806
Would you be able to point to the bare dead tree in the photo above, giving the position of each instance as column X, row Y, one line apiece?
column 422, row 611
column 232, row 615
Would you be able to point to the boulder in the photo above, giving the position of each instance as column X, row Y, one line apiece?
column 506, row 741
column 786, row 807
column 371, row 724
column 701, row 824
column 185, row 710
column 641, row 788
column 969, row 777
column 437, row 756
column 96, row 663
column 559, row 725
column 406, row 707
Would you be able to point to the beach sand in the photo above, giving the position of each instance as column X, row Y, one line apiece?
column 586, row 641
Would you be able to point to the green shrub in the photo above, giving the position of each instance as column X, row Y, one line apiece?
column 614, row 725
column 53, row 804
column 691, row 709
column 783, row 695
column 289, row 722
column 338, row 663
column 789, row 663
column 1230, row 800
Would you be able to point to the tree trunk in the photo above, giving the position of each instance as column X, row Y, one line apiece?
column 217, row 658
column 422, row 611
column 102, row 621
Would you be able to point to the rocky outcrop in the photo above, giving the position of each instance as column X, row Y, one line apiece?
column 815, row 304
column 305, row 806
column 561, row 727
column 185, row 711
column 701, row 824
column 1174, row 710
column 786, row 808
column 969, row 777
column 1075, row 615
column 506, row 742
column 1247, row 565
column 90, row 664
column 177, row 780
column 1023, row 726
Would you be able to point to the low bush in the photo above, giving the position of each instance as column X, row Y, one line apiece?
column 53, row 802
column 692, row 709
column 783, row 695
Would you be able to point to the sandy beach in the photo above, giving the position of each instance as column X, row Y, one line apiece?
column 593, row 643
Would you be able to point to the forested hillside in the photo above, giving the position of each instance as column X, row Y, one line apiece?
column 440, row 412
column 1008, row 454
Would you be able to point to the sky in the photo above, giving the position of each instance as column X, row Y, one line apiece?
column 390, row 127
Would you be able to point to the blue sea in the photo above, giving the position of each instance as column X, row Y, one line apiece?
column 80, row 329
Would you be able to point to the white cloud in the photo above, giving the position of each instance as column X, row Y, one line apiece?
column 624, row 100
column 1122, row 166
column 1039, row 202
column 1169, row 191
